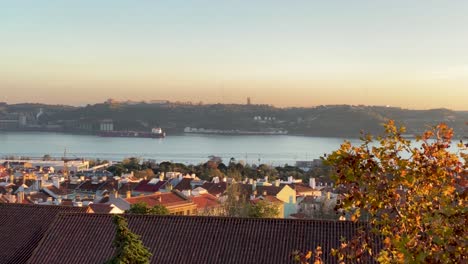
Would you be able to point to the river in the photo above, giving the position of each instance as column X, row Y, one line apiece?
column 188, row 148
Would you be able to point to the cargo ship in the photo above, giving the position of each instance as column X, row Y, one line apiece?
column 155, row 133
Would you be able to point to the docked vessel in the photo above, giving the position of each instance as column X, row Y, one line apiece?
column 155, row 133
column 270, row 132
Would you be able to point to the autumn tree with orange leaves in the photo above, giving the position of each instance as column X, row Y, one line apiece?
column 414, row 196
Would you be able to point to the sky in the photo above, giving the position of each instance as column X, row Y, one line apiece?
column 410, row 54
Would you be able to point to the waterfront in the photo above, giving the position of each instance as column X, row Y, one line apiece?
column 189, row 148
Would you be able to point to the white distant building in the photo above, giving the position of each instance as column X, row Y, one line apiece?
column 106, row 125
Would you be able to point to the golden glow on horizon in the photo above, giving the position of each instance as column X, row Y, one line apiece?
column 319, row 52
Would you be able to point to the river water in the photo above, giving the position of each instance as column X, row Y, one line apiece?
column 188, row 148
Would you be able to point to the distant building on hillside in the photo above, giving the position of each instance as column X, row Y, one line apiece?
column 106, row 125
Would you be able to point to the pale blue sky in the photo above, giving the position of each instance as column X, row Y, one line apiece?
column 405, row 53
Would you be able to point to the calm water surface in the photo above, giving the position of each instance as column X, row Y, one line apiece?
column 277, row 150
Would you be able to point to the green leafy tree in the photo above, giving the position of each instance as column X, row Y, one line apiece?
column 117, row 169
column 142, row 208
column 237, row 205
column 414, row 197
column 262, row 209
column 234, row 204
column 129, row 249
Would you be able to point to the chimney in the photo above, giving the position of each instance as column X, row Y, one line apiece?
column 253, row 195
column 116, row 194
column 12, row 178
column 187, row 193
column 277, row 183
column 129, row 194
column 290, row 179
column 312, row 183
column 254, row 185
column 161, row 176
column 20, row 197
column 328, row 195
column 56, row 182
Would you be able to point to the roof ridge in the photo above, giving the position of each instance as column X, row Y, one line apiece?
column 213, row 217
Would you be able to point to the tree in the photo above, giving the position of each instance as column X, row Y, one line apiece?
column 262, row 209
column 129, row 249
column 237, row 205
column 117, row 169
column 46, row 157
column 234, row 205
column 415, row 198
column 147, row 173
column 142, row 208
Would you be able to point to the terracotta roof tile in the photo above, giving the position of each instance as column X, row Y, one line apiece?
column 215, row 189
column 58, row 191
column 184, row 184
column 144, row 186
column 179, row 239
column 22, row 227
column 101, row 208
column 205, row 201
column 166, row 199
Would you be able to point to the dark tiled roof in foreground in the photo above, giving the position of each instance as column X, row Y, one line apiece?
column 87, row 238
column 22, row 227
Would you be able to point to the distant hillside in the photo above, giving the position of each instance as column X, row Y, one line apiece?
column 331, row 120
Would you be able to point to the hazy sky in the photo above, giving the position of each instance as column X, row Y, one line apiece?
column 412, row 54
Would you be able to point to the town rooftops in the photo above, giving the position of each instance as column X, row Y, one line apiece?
column 150, row 186
column 215, row 189
column 22, row 227
column 101, row 208
column 167, row 199
column 184, row 239
column 184, row 184
column 247, row 189
column 205, row 201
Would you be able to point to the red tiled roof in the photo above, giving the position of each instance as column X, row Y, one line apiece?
column 299, row 187
column 182, row 239
column 57, row 191
column 101, row 208
column 215, row 188
column 93, row 187
column 166, row 199
column 22, row 227
column 143, row 186
column 184, row 184
column 128, row 186
column 206, row 200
